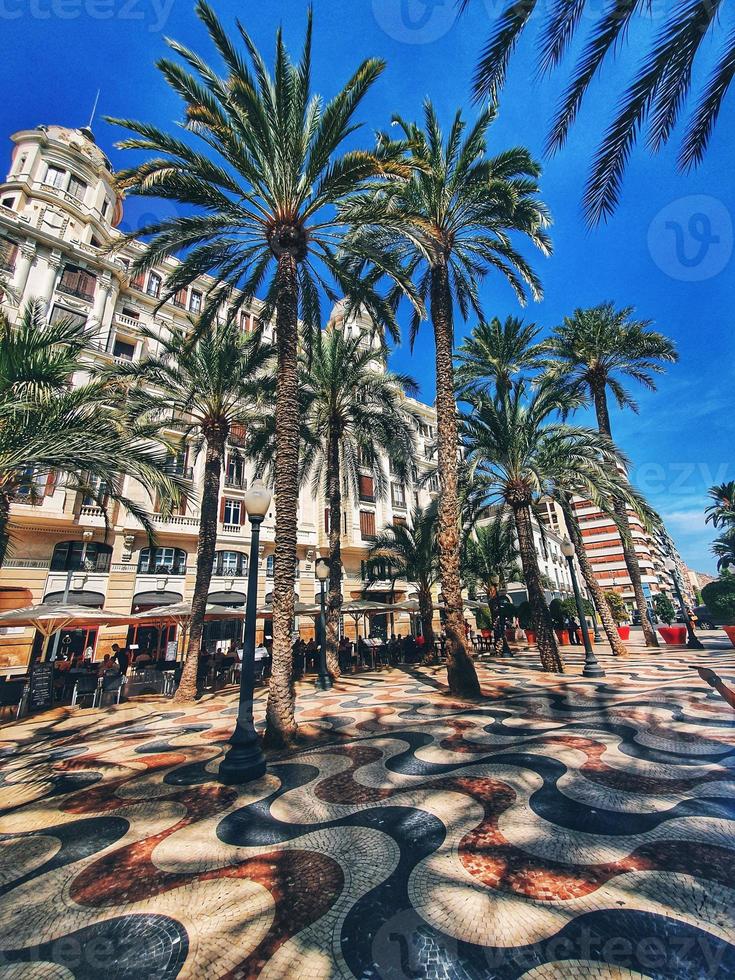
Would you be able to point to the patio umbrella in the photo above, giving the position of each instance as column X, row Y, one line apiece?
column 50, row 617
column 300, row 609
column 179, row 613
column 408, row 605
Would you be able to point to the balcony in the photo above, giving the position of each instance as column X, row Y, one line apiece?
column 130, row 322
column 173, row 468
column 78, row 291
column 235, row 482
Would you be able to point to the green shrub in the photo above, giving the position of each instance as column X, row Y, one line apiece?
column 525, row 615
column 719, row 597
column 663, row 608
column 617, row 606
column 558, row 614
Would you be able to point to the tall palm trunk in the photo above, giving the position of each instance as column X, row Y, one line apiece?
column 215, row 454
column 426, row 614
column 4, row 525
column 545, row 636
column 280, row 712
column 493, row 601
column 626, row 538
column 575, row 534
column 461, row 673
column 334, row 601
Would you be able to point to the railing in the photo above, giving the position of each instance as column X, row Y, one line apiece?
column 177, row 568
column 178, row 469
column 232, row 528
column 26, row 563
column 99, row 565
column 75, row 291
column 127, row 321
column 176, row 519
column 235, row 482
column 90, row 510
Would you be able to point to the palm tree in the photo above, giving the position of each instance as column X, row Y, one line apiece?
column 353, row 416
column 723, row 548
column 412, row 552
column 491, row 559
column 598, row 349
column 266, row 173
column 496, row 353
column 453, row 222
column 518, row 445
column 721, row 512
column 206, row 382
column 54, row 433
column 658, row 91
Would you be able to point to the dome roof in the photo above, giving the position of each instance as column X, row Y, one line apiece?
column 81, row 141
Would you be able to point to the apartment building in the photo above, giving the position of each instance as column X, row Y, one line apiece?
column 58, row 211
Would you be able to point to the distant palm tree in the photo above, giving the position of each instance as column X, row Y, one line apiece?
column 54, row 433
column 659, row 89
column 354, row 416
column 723, row 548
column 599, row 349
column 518, row 444
column 492, row 553
column 496, row 353
column 454, row 222
column 268, row 176
column 412, row 552
column 206, row 382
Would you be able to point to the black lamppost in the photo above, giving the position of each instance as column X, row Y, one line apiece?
column 323, row 680
column 693, row 642
column 244, row 759
column 591, row 666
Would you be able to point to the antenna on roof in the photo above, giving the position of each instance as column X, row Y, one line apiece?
column 94, row 109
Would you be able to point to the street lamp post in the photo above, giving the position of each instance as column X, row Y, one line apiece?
column 323, row 680
column 693, row 642
column 244, row 759
column 86, row 538
column 591, row 666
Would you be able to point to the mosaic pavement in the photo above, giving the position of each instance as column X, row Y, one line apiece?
column 559, row 828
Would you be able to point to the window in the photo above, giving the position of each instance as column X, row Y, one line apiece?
column 54, row 177
column 67, row 557
column 234, row 476
column 33, row 485
column 231, row 511
column 138, row 280
column 154, row 285
column 270, row 566
column 21, row 163
column 8, row 202
column 399, row 521
column 195, row 302
column 129, row 311
column 237, row 434
column 59, row 313
column 105, row 209
column 8, row 255
column 180, row 299
column 367, row 488
column 123, row 349
column 100, row 493
column 77, row 282
column 367, row 523
column 433, row 483
column 397, row 495
column 77, row 188
column 162, row 561
column 230, row 563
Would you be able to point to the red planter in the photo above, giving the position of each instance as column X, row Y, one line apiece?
column 624, row 632
column 673, row 634
column 530, row 636
column 563, row 637
column 486, row 634
column 730, row 630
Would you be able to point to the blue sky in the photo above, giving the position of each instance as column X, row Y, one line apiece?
column 667, row 251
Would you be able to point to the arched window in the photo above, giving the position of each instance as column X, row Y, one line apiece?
column 270, row 566
column 233, row 563
column 67, row 557
column 162, row 561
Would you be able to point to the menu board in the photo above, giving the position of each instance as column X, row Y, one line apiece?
column 41, row 687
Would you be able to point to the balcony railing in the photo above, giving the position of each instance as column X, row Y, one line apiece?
column 235, row 482
column 151, row 568
column 77, row 291
column 178, row 469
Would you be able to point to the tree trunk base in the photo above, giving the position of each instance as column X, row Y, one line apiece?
column 276, row 738
column 185, row 692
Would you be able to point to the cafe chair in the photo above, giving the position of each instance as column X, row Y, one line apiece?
column 86, row 687
column 12, row 696
column 111, row 687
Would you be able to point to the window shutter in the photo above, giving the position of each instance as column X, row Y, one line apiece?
column 326, row 519
column 138, row 280
column 367, row 524
column 240, row 513
column 50, row 483
column 182, row 505
column 222, row 510
column 366, row 487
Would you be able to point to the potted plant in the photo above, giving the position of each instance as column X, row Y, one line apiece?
column 559, row 618
column 719, row 597
column 569, row 610
column 525, row 619
column 619, row 612
column 664, row 609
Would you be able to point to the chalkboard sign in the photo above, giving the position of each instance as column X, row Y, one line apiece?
column 41, row 688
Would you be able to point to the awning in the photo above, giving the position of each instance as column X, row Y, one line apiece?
column 235, row 599
column 151, row 600
column 94, row 600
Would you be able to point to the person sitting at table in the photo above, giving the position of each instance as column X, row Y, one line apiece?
column 107, row 664
column 142, row 659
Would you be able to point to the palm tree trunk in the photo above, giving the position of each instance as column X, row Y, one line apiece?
column 461, row 673
column 334, row 599
column 207, row 546
column 280, row 711
column 426, row 613
column 545, row 636
column 4, row 526
column 575, row 533
column 629, row 552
